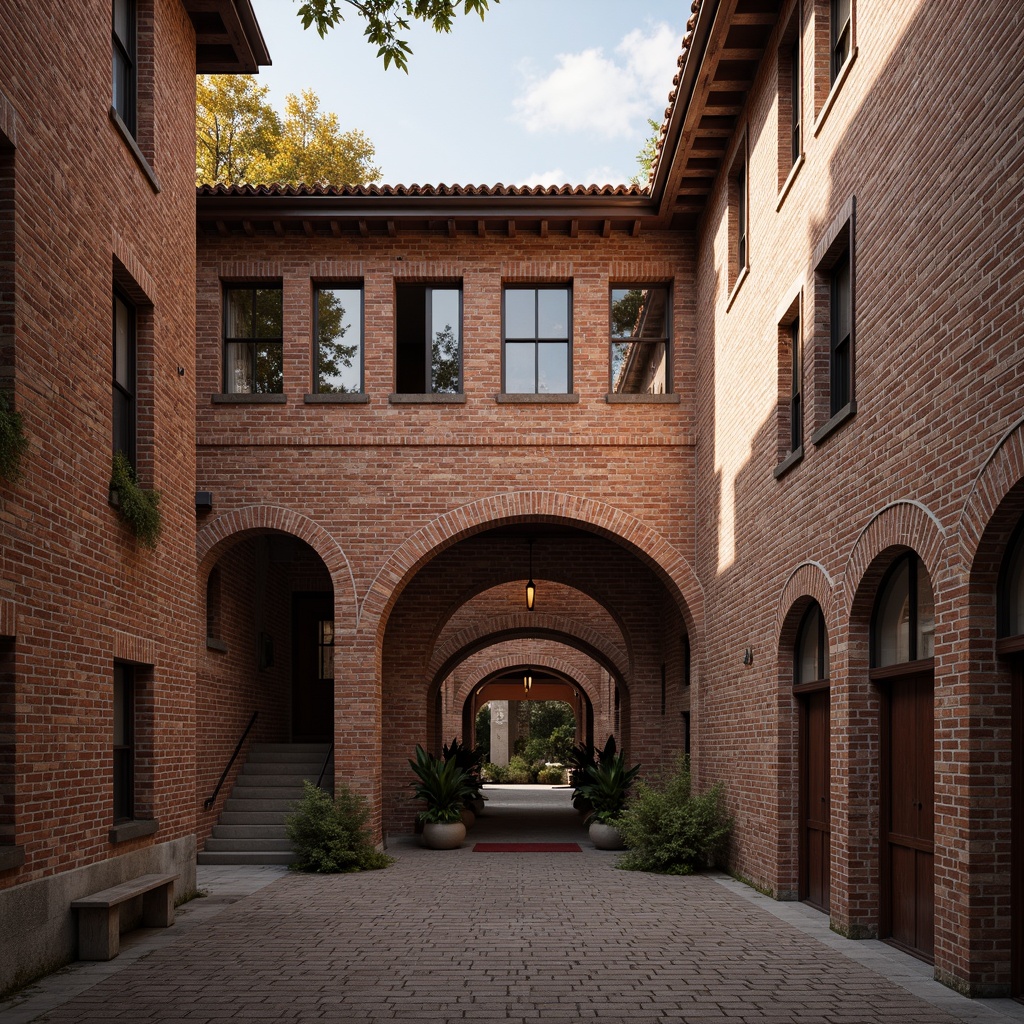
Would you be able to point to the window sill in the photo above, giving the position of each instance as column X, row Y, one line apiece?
column 337, row 398
column 744, row 274
column 788, row 462
column 528, row 398
column 788, row 183
column 274, row 399
column 11, row 857
column 133, row 830
column 830, row 100
column 641, row 399
column 427, row 399
column 140, row 159
column 213, row 644
column 847, row 412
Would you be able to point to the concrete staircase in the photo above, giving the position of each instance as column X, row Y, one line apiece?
column 251, row 828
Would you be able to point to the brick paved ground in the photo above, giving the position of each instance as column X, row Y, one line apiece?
column 464, row 936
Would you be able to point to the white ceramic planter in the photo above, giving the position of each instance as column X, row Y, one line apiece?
column 606, row 837
column 437, row 836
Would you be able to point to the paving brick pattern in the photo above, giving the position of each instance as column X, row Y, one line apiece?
column 456, row 936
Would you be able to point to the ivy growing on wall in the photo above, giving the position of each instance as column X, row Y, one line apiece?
column 137, row 507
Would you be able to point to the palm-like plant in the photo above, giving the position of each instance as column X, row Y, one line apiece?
column 606, row 786
column 442, row 784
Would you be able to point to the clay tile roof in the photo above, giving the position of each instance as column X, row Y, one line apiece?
column 419, row 191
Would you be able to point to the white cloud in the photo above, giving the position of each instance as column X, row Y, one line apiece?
column 591, row 92
column 553, row 177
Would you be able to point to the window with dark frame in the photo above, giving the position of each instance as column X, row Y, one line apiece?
column 124, row 742
column 903, row 622
column 741, row 215
column 840, row 36
column 123, row 32
column 1010, row 601
column 810, row 656
column 338, row 330
column 253, row 339
column 640, row 340
column 124, row 376
column 428, row 339
column 796, row 104
column 537, row 353
column 841, row 330
column 796, row 398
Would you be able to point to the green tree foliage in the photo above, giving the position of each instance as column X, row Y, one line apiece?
column 334, row 355
column 388, row 20
column 444, row 362
column 647, row 155
column 241, row 139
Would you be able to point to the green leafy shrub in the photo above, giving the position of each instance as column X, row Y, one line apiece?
column 494, row 772
column 606, row 787
column 329, row 833
column 443, row 785
column 13, row 442
column 673, row 831
column 519, row 770
column 140, row 509
column 551, row 776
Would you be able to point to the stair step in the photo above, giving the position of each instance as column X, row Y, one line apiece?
column 254, row 817
column 257, row 831
column 285, row 769
column 250, row 845
column 255, row 803
column 241, row 792
column 244, row 857
column 312, row 750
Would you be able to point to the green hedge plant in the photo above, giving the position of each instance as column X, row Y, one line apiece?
column 673, row 831
column 329, row 833
column 139, row 508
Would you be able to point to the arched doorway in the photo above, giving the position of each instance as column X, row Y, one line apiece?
column 811, row 688
column 902, row 635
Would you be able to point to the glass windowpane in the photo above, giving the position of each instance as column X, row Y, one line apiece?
column 811, row 651
column 1012, row 612
column 553, row 368
column 552, row 313
column 639, row 368
column 239, row 312
column 123, row 21
column 238, row 369
column 444, row 341
column 892, row 618
column 122, row 345
column 521, row 313
column 269, row 376
column 925, row 614
column 520, row 368
column 267, row 313
column 339, row 340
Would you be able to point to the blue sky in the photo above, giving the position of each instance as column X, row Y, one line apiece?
column 542, row 92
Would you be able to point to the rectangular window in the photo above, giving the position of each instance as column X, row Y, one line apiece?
column 537, row 331
column 640, row 340
column 253, row 335
column 790, row 96
column 428, row 340
column 124, row 742
column 738, row 216
column 840, row 36
column 841, row 328
column 123, row 30
column 124, row 384
column 338, row 328
column 796, row 395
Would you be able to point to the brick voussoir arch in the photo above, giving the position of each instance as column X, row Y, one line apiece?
column 527, row 507
column 226, row 530
column 901, row 524
column 549, row 627
column 809, row 579
column 506, row 662
column 1001, row 472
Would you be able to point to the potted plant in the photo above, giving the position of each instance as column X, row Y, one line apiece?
column 581, row 757
column 606, row 785
column 471, row 761
column 444, row 786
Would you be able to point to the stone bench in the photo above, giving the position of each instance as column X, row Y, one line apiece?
column 99, row 915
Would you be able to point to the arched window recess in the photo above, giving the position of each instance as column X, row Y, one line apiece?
column 810, row 654
column 1010, row 600
column 903, row 624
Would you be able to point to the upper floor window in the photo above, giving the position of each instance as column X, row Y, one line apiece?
column 124, row 742
column 840, row 35
column 739, row 219
column 124, row 377
column 253, row 333
column 789, row 89
column 428, row 340
column 125, row 59
column 537, row 332
column 841, row 328
column 903, row 625
column 640, row 340
column 796, row 395
column 338, row 328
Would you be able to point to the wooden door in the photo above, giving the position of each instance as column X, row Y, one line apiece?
column 1017, row 835
column 312, row 668
column 908, row 817
column 815, row 800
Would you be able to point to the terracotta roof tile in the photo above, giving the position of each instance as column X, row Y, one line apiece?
column 419, row 191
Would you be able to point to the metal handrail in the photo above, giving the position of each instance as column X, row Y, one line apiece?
column 327, row 761
column 208, row 803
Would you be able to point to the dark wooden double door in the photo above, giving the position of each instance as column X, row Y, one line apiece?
column 815, row 800
column 908, row 813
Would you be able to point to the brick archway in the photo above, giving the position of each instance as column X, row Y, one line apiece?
column 226, row 530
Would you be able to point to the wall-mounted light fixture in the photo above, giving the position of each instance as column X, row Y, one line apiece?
column 531, row 587
column 527, row 682
column 748, row 656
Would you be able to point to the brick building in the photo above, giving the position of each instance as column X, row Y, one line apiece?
column 754, row 433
